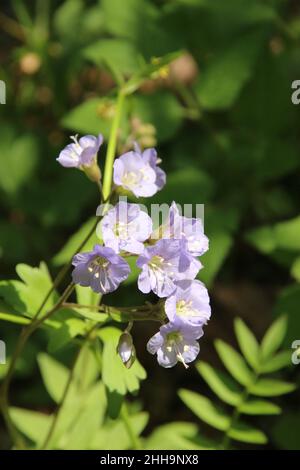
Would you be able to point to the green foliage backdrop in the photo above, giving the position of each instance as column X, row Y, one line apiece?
column 212, row 90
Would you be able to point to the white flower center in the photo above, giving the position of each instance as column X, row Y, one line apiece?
column 97, row 264
column 185, row 309
column 130, row 178
column 173, row 341
column 121, row 230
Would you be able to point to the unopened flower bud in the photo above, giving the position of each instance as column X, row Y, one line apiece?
column 126, row 349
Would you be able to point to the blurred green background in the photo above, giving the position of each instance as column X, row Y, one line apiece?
column 222, row 119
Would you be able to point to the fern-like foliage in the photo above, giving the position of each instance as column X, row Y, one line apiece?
column 245, row 380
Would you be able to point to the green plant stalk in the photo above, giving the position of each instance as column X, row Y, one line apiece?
column 111, row 148
column 147, row 312
column 236, row 413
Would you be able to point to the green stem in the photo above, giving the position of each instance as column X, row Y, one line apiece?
column 146, row 312
column 111, row 148
column 135, row 441
column 236, row 413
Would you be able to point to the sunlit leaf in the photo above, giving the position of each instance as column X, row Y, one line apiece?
column 271, row 388
column 234, row 363
column 259, row 407
column 247, row 343
column 204, row 409
column 274, row 337
column 278, row 361
column 245, row 433
column 221, row 384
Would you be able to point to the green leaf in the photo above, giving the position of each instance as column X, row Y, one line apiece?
column 90, row 417
column 204, row 409
column 36, row 285
column 68, row 250
column 86, row 296
column 259, row 407
column 7, row 313
column 186, row 186
column 281, row 236
column 220, row 244
column 150, row 71
column 287, row 234
column 288, row 303
column 234, row 363
column 67, row 19
column 54, row 375
column 113, row 434
column 223, row 79
column 71, row 328
column 245, row 433
column 247, row 343
column 274, row 337
column 116, row 377
column 262, row 239
column 162, row 110
column 32, row 424
column 18, row 159
column 120, row 56
column 224, row 388
column 277, row 362
column 174, row 436
column 94, row 116
column 295, row 269
column 87, row 368
column 14, row 318
column 271, row 388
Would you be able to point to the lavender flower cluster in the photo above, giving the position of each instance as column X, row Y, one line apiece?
column 167, row 257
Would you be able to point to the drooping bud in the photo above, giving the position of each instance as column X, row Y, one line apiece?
column 126, row 349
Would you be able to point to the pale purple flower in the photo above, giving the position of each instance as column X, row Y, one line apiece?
column 185, row 228
column 190, row 303
column 150, row 157
column 163, row 264
column 81, row 153
column 126, row 227
column 175, row 342
column 138, row 172
column 101, row 269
